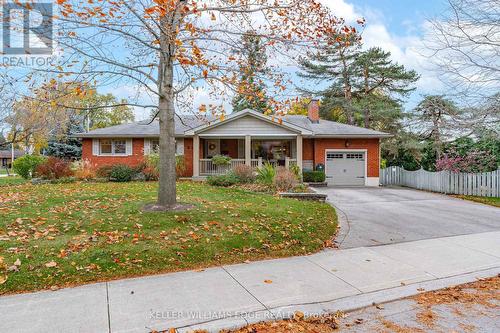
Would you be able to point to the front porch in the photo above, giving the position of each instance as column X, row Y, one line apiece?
column 253, row 151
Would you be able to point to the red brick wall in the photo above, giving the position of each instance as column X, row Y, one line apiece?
column 188, row 157
column 320, row 145
column 230, row 146
column 136, row 158
column 308, row 149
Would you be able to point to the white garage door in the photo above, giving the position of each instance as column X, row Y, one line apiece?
column 345, row 168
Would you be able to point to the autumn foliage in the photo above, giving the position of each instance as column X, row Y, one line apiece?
column 54, row 168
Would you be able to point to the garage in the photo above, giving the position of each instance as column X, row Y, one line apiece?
column 345, row 168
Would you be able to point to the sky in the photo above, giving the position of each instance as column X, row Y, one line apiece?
column 395, row 25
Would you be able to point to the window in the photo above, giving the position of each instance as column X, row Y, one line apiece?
column 113, row 147
column 155, row 146
column 334, row 155
column 106, row 147
column 358, row 156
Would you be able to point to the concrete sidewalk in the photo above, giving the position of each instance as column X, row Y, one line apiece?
column 235, row 295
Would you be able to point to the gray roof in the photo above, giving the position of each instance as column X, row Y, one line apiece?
column 183, row 123
column 329, row 128
column 7, row 153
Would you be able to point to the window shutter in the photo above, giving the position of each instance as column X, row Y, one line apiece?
column 147, row 146
column 179, row 146
column 129, row 147
column 95, row 147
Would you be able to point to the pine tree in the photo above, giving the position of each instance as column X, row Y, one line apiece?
column 379, row 83
column 251, row 89
column 334, row 62
column 437, row 118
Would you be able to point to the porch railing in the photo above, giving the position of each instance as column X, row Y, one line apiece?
column 208, row 168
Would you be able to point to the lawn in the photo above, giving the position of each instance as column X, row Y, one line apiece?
column 9, row 181
column 66, row 234
column 492, row 201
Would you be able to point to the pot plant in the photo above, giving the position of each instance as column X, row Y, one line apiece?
column 222, row 162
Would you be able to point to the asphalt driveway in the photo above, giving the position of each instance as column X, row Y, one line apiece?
column 376, row 216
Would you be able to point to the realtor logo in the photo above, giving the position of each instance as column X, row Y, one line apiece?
column 27, row 28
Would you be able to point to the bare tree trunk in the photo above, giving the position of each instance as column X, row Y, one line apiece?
column 167, row 190
column 366, row 111
column 347, row 91
column 166, row 111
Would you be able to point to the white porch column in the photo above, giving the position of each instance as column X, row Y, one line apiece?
column 299, row 151
column 248, row 150
column 196, row 156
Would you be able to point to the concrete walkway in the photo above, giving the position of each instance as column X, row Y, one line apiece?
column 234, row 295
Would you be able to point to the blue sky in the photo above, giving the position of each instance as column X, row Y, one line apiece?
column 395, row 26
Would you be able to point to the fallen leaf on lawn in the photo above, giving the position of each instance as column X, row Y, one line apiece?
column 1, row 260
column 13, row 268
column 51, row 264
column 298, row 315
column 268, row 281
column 3, row 279
column 359, row 321
column 17, row 262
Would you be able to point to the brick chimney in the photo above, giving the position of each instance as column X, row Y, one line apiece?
column 313, row 111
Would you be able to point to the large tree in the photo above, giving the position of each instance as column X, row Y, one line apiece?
column 464, row 44
column 171, row 48
column 251, row 89
column 50, row 112
column 334, row 62
column 436, row 119
column 380, row 84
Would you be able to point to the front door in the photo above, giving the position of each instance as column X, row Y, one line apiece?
column 345, row 168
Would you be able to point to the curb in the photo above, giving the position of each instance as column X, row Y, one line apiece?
column 346, row 304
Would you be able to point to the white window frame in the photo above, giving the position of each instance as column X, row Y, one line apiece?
column 113, row 142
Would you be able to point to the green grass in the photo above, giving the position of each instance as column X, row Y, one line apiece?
column 10, row 181
column 3, row 171
column 97, row 231
column 492, row 201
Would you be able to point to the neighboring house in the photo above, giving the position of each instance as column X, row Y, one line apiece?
column 6, row 157
column 350, row 154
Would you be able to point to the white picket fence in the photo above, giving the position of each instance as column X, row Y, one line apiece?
column 485, row 184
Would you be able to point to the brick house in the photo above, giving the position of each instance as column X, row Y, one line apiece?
column 349, row 154
column 6, row 157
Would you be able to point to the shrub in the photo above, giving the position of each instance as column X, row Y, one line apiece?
column 314, row 176
column 26, row 165
column 296, row 170
column 54, row 168
column 285, row 180
column 180, row 165
column 150, row 173
column 226, row 180
column 244, row 173
column 104, row 171
column 153, row 166
column 266, row 173
column 221, row 160
column 121, row 173
column 84, row 170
